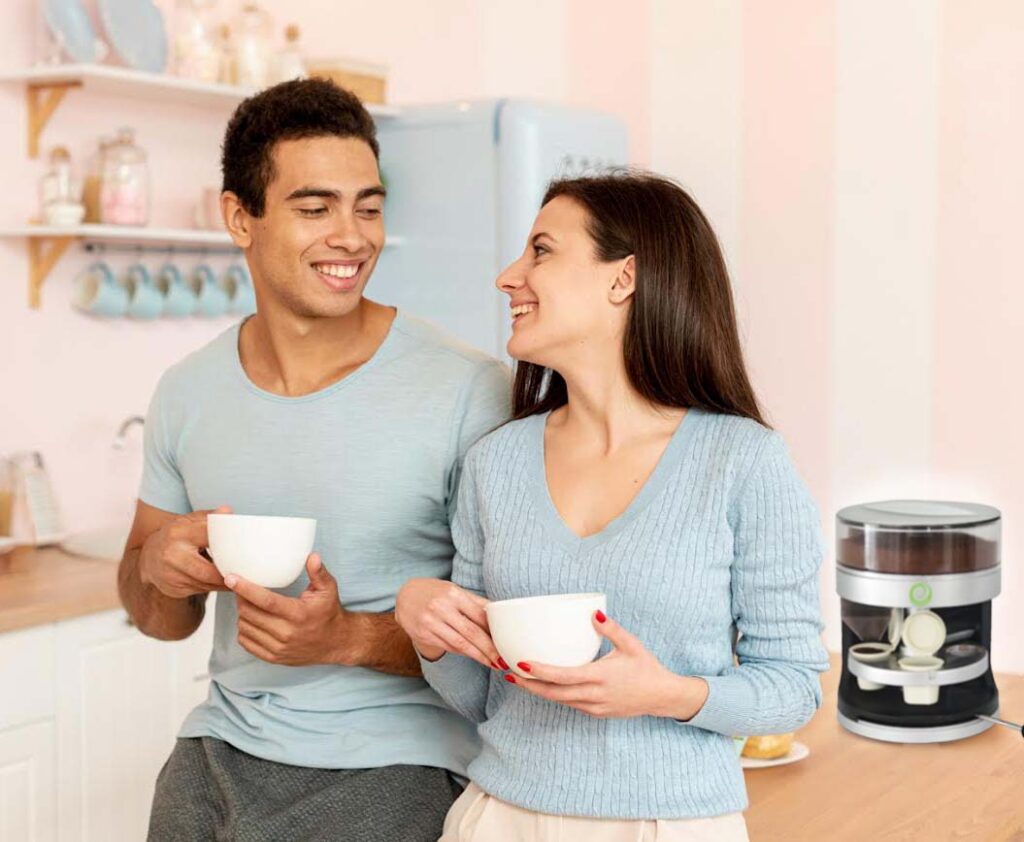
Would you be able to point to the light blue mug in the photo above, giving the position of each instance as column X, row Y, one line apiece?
column 145, row 301
column 98, row 293
column 179, row 300
column 211, row 299
column 237, row 284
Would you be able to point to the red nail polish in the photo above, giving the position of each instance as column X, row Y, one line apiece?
column 511, row 679
column 502, row 664
column 600, row 617
column 525, row 667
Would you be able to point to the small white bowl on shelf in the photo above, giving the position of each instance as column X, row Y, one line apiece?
column 64, row 214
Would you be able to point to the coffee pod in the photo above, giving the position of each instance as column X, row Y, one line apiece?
column 926, row 694
column 871, row 653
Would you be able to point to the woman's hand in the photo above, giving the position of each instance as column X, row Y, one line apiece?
column 441, row 617
column 628, row 681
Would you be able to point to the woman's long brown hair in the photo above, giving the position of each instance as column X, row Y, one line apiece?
column 681, row 344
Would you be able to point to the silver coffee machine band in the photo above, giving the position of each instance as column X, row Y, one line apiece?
column 890, row 590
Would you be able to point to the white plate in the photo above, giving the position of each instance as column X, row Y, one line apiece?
column 7, row 544
column 798, row 752
column 136, row 32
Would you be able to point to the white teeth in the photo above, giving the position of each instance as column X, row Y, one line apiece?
column 523, row 309
column 337, row 270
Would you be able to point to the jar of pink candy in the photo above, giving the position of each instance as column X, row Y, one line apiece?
column 124, row 195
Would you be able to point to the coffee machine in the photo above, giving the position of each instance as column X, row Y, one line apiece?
column 916, row 580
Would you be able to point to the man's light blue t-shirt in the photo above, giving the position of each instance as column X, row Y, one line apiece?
column 375, row 458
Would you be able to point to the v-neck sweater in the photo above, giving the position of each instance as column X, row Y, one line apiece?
column 722, row 540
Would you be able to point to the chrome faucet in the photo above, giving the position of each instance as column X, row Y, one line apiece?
column 122, row 431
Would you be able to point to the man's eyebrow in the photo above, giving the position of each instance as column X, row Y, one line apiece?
column 313, row 193
column 367, row 192
column 326, row 193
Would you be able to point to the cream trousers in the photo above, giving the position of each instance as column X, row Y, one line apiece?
column 479, row 817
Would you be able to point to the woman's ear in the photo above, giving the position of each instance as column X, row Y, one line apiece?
column 236, row 220
column 624, row 284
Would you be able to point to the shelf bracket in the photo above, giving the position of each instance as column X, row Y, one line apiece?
column 43, row 100
column 43, row 254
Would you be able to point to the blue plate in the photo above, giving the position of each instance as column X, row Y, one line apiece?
column 72, row 29
column 136, row 32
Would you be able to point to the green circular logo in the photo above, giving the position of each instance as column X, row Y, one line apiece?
column 920, row 594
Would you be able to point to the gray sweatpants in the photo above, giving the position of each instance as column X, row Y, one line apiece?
column 209, row 790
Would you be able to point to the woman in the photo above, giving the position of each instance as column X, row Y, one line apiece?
column 637, row 465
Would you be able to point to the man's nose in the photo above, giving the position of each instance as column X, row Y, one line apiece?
column 345, row 233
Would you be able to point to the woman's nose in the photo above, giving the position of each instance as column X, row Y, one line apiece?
column 511, row 278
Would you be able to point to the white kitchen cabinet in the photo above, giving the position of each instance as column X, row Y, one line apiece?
column 120, row 701
column 27, row 789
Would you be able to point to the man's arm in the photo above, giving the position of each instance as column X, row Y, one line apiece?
column 314, row 628
column 377, row 642
column 163, row 579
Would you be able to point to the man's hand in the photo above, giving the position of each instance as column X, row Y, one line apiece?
column 310, row 629
column 171, row 561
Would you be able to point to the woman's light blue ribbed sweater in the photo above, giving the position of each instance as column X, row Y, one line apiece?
column 723, row 534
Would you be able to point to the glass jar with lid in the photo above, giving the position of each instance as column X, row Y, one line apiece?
column 195, row 49
column 124, row 192
column 253, row 49
column 58, row 186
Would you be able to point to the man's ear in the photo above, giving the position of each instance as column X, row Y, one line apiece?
column 624, row 284
column 236, row 219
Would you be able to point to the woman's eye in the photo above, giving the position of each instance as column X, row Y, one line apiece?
column 538, row 250
column 312, row 211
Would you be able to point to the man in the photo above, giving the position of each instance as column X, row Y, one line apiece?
column 324, row 404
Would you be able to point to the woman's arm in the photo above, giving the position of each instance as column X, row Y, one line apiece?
column 446, row 620
column 777, row 556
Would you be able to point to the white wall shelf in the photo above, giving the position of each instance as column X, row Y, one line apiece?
column 46, row 244
column 46, row 86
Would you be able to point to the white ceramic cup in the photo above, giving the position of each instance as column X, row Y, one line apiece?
column 921, row 695
column 557, row 630
column 268, row 551
column 871, row 653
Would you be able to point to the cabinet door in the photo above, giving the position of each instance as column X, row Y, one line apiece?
column 116, row 721
column 192, row 659
column 27, row 784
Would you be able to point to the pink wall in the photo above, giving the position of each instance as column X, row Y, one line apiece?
column 979, row 313
column 784, row 265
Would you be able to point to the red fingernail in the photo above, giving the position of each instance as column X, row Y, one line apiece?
column 525, row 667
column 511, row 679
column 495, row 666
column 600, row 617
column 502, row 664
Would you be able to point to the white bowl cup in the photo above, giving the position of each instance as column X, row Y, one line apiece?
column 927, row 694
column 268, row 551
column 557, row 630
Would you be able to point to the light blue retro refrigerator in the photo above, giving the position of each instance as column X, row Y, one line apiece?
column 465, row 181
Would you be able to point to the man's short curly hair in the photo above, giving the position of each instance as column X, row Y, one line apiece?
column 289, row 111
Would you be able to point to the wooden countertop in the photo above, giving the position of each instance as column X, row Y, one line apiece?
column 47, row 585
column 853, row 788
